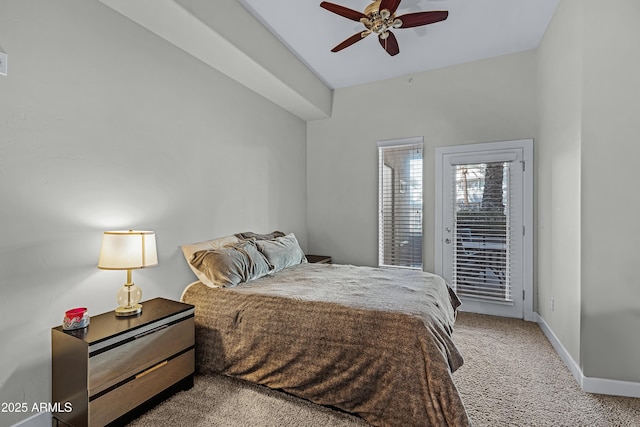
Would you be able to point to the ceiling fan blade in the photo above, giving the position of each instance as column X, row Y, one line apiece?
column 422, row 18
column 390, row 5
column 354, row 15
column 390, row 44
column 351, row 40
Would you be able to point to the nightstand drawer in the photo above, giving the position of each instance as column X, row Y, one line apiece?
column 113, row 365
column 111, row 405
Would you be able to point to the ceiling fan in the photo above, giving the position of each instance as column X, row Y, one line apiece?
column 379, row 17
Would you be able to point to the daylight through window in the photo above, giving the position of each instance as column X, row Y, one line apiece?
column 400, row 203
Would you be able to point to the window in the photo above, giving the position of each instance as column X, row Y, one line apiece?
column 482, row 230
column 400, row 203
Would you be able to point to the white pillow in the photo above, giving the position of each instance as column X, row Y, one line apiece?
column 188, row 250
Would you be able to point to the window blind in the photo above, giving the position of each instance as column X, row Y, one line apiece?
column 482, row 227
column 400, row 205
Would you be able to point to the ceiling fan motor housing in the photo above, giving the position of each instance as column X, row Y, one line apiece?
column 380, row 21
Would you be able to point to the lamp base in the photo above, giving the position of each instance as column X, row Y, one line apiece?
column 123, row 311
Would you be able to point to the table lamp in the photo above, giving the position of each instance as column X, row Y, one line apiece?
column 128, row 250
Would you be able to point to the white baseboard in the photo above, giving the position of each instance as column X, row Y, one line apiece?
column 562, row 352
column 43, row 419
column 587, row 384
column 613, row 387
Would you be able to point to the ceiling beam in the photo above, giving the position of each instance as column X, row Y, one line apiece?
column 174, row 23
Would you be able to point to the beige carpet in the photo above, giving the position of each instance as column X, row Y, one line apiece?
column 511, row 377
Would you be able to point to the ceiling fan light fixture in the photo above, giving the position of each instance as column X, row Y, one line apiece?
column 366, row 22
column 380, row 21
column 378, row 27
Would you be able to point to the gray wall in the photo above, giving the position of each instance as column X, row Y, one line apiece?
column 609, row 188
column 104, row 125
column 587, row 185
column 490, row 100
column 558, row 174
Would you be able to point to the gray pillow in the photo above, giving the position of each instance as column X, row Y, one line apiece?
column 231, row 265
column 282, row 252
column 257, row 264
column 189, row 249
column 249, row 235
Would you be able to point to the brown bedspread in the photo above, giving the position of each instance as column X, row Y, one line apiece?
column 374, row 342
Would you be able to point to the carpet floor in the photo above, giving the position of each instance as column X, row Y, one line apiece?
column 511, row 377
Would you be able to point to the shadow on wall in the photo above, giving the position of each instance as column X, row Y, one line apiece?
column 606, row 351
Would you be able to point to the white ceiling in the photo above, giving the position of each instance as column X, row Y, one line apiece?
column 474, row 30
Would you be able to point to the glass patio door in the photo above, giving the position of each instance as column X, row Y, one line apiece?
column 483, row 229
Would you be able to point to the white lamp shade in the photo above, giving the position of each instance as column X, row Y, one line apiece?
column 124, row 250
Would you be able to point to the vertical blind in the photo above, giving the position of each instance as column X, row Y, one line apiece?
column 482, row 226
column 400, row 205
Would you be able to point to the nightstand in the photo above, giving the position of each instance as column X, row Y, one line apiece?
column 117, row 367
column 320, row 259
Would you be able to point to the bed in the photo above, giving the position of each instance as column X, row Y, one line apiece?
column 370, row 341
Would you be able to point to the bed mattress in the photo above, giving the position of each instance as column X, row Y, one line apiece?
column 373, row 342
